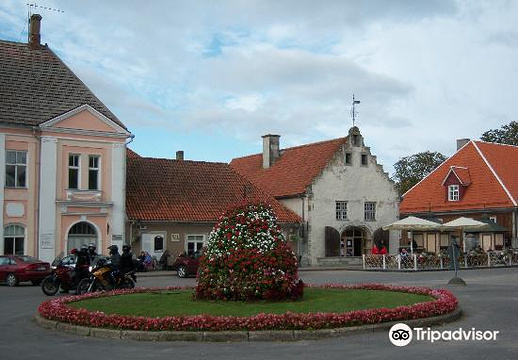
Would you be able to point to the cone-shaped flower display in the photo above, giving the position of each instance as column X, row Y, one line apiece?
column 247, row 258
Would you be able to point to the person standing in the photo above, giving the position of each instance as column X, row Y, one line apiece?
column 127, row 263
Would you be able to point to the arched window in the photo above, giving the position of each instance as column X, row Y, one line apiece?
column 82, row 233
column 14, row 240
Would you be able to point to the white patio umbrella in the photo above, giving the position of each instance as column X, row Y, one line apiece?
column 463, row 224
column 413, row 223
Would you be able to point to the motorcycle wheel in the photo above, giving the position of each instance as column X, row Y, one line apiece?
column 50, row 286
column 127, row 284
column 84, row 286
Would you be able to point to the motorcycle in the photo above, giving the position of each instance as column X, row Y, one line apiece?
column 102, row 278
column 63, row 276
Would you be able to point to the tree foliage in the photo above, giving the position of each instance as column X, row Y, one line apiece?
column 410, row 170
column 507, row 134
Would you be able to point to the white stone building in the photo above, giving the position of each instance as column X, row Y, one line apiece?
column 339, row 190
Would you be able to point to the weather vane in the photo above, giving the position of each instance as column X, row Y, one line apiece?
column 353, row 110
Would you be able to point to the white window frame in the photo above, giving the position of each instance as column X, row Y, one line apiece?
column 98, row 169
column 341, row 210
column 163, row 243
column 453, row 193
column 195, row 241
column 17, row 165
column 14, row 237
column 74, row 167
column 369, row 210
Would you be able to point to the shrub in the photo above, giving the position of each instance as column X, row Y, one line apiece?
column 247, row 258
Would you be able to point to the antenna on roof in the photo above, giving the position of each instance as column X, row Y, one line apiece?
column 33, row 5
column 354, row 112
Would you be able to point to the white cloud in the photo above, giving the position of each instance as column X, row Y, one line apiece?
column 427, row 72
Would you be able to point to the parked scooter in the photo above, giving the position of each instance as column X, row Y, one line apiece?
column 102, row 278
column 63, row 275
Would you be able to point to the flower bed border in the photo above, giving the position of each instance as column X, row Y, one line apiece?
column 56, row 314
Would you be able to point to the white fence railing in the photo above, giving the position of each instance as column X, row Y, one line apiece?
column 415, row 262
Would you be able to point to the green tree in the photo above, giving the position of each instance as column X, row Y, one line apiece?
column 409, row 170
column 507, row 134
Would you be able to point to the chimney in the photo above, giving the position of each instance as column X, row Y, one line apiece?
column 270, row 149
column 461, row 143
column 34, row 31
column 179, row 155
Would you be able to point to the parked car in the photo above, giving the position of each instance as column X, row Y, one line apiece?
column 19, row 268
column 186, row 265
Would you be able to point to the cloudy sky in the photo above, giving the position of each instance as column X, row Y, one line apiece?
column 211, row 77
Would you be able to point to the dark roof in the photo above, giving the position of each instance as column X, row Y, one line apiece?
column 293, row 171
column 189, row 191
column 36, row 86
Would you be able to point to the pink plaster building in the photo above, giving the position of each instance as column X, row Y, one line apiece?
column 62, row 156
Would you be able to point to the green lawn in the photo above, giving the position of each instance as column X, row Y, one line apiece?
column 175, row 303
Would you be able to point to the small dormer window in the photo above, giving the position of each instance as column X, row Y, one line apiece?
column 453, row 193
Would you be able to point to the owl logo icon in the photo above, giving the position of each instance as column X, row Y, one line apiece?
column 400, row 334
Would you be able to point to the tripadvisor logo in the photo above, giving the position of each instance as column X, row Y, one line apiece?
column 401, row 335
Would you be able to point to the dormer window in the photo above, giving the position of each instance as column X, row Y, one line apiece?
column 456, row 183
column 453, row 193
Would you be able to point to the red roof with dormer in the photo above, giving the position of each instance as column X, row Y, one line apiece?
column 293, row 171
column 488, row 172
column 460, row 173
column 189, row 191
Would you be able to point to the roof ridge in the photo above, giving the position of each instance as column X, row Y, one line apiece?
column 296, row 147
column 10, row 42
column 179, row 161
column 495, row 174
column 495, row 143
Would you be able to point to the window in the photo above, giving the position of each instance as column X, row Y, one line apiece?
column 159, row 243
column 14, row 238
column 370, row 211
column 93, row 172
column 348, row 158
column 364, row 159
column 341, row 210
column 195, row 244
column 356, row 140
column 73, row 171
column 16, row 168
column 453, row 193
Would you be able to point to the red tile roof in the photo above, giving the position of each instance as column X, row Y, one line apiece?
column 493, row 171
column 189, row 191
column 293, row 171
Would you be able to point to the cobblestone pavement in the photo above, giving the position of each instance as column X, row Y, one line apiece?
column 489, row 302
